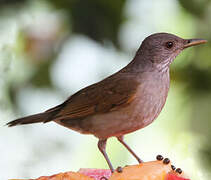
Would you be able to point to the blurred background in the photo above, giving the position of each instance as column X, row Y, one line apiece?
column 51, row 49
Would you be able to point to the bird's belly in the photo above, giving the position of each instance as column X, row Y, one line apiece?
column 140, row 113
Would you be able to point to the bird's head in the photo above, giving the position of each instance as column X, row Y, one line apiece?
column 162, row 48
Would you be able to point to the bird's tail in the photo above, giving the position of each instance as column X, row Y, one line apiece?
column 36, row 118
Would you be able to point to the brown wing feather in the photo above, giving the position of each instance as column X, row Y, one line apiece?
column 107, row 95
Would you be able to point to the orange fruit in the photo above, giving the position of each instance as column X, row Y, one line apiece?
column 154, row 170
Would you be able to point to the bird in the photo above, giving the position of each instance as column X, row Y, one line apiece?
column 124, row 102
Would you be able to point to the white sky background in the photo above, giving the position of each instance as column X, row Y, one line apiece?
column 35, row 150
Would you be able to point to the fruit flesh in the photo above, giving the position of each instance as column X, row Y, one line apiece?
column 154, row 170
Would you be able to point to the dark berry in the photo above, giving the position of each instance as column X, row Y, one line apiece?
column 119, row 169
column 173, row 167
column 178, row 170
column 103, row 178
column 166, row 161
column 159, row 157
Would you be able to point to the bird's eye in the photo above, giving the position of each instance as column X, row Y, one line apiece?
column 169, row 44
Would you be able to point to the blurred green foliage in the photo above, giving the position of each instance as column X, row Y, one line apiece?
column 195, row 7
column 100, row 20
column 4, row 3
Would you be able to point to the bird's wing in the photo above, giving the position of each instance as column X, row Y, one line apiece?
column 107, row 95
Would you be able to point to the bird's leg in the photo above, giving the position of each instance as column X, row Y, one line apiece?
column 102, row 148
column 121, row 140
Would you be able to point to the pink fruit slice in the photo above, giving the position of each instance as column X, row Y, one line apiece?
column 97, row 174
column 174, row 177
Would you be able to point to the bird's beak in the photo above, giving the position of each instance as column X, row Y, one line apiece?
column 194, row 42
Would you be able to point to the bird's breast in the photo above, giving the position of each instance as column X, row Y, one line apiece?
column 150, row 98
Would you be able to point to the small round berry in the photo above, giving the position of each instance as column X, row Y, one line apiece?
column 119, row 169
column 178, row 170
column 103, row 178
column 166, row 161
column 173, row 167
column 159, row 157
